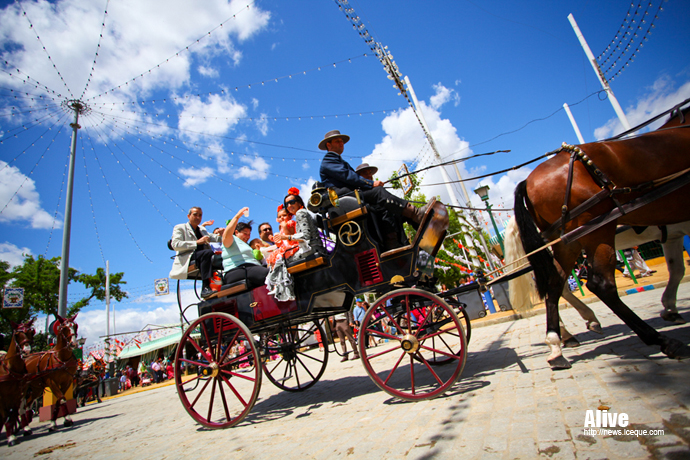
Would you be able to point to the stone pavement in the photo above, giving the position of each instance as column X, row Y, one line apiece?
column 508, row 404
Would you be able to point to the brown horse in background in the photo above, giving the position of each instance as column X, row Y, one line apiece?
column 89, row 380
column 12, row 377
column 621, row 173
column 56, row 368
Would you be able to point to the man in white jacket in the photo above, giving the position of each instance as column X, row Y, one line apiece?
column 191, row 241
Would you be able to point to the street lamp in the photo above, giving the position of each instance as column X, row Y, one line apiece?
column 483, row 192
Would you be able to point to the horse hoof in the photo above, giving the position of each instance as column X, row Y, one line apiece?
column 52, row 429
column 672, row 317
column 28, row 432
column 572, row 342
column 595, row 327
column 675, row 349
column 68, row 423
column 11, row 443
column 559, row 363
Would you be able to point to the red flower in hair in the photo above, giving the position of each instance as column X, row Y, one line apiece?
column 293, row 191
column 280, row 208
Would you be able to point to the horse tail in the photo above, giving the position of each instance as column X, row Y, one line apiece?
column 542, row 262
column 520, row 289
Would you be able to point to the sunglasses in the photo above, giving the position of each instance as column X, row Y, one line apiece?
column 291, row 202
column 266, row 229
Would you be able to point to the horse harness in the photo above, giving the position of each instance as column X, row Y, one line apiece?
column 655, row 189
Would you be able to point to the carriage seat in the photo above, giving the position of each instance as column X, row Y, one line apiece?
column 230, row 289
column 312, row 246
column 193, row 271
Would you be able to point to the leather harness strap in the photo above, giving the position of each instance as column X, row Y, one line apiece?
column 632, row 205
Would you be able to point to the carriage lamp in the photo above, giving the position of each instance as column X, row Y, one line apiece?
column 81, row 342
column 483, row 192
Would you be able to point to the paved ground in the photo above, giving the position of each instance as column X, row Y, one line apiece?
column 507, row 405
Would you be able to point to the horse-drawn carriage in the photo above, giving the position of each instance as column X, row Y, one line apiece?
column 242, row 334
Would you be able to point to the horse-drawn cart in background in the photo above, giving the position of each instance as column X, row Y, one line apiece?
column 241, row 334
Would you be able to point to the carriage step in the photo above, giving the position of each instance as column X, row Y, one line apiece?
column 306, row 265
column 229, row 289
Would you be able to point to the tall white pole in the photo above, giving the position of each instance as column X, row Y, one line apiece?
column 67, row 227
column 600, row 75
column 107, row 309
column 574, row 123
column 461, row 218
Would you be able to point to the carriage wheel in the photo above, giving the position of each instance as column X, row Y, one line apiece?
column 227, row 384
column 406, row 366
column 290, row 360
column 464, row 318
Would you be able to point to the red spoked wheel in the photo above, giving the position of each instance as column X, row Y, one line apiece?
column 424, row 347
column 227, row 380
column 295, row 357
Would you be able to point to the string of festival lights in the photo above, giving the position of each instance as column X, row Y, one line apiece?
column 633, row 33
column 177, row 54
column 92, row 208
column 57, row 210
column 98, row 48
column 117, row 206
column 31, row 26
column 28, row 176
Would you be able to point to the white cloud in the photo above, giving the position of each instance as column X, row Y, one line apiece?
column 159, row 310
column 140, row 47
column 207, row 71
column 256, row 169
column 305, row 189
column 443, row 95
column 262, row 124
column 405, row 142
column 13, row 254
column 25, row 204
column 658, row 98
column 194, row 118
column 501, row 194
column 195, row 176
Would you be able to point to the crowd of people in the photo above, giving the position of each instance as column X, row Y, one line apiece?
column 156, row 371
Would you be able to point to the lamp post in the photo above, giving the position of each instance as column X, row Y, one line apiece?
column 483, row 192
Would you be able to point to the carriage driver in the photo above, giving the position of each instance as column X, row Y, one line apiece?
column 337, row 173
column 191, row 241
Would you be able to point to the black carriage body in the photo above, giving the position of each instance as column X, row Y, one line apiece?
column 326, row 283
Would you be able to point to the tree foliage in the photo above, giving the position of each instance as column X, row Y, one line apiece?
column 451, row 275
column 40, row 278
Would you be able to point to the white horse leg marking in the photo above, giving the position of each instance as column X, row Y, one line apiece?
column 554, row 343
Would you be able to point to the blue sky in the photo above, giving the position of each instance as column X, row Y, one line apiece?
column 234, row 119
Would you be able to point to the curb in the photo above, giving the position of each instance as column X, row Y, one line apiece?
column 540, row 309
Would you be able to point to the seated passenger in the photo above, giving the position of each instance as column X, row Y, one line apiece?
column 301, row 234
column 191, row 241
column 256, row 244
column 284, row 243
column 239, row 262
column 338, row 174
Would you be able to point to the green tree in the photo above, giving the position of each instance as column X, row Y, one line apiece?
column 40, row 278
column 96, row 283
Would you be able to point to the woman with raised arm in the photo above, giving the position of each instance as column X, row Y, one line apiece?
column 239, row 262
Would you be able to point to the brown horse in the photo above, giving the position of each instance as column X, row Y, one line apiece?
column 56, row 368
column 592, row 188
column 89, row 380
column 12, row 378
